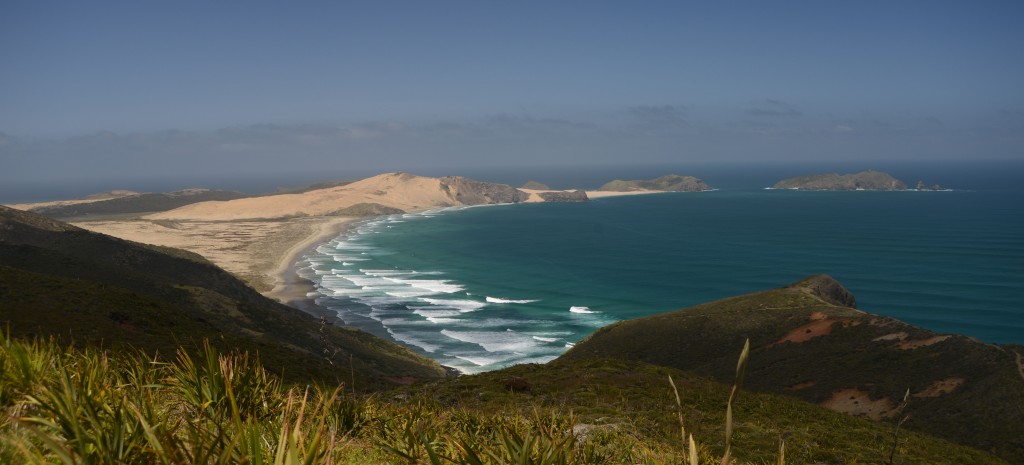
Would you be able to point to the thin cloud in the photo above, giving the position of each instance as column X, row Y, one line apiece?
column 774, row 108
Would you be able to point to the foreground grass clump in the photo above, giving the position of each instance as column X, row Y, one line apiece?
column 90, row 406
column 95, row 407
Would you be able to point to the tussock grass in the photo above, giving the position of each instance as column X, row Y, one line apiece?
column 93, row 407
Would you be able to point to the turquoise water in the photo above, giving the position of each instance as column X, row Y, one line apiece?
column 485, row 287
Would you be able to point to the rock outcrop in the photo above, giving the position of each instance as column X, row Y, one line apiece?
column 669, row 183
column 865, row 180
column 466, row 191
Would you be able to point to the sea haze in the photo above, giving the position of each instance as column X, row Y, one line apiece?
column 485, row 287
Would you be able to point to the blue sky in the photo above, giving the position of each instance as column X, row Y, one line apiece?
column 299, row 85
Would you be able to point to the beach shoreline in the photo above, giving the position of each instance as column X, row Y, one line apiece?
column 292, row 289
column 263, row 251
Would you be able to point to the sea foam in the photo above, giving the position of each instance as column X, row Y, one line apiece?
column 496, row 300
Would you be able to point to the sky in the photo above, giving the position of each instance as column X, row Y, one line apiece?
column 104, row 89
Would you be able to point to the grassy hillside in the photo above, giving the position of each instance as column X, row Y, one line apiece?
column 61, row 406
column 807, row 341
column 56, row 279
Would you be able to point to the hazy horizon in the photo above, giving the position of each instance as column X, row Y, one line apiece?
column 121, row 90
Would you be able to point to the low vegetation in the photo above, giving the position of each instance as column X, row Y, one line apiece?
column 137, row 204
column 102, row 407
column 809, row 342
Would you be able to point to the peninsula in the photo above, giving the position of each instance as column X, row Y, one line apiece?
column 259, row 238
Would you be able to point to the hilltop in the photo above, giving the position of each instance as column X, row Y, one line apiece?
column 92, row 289
column 809, row 341
column 668, row 183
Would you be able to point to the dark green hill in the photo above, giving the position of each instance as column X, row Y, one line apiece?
column 634, row 399
column 95, row 289
column 140, row 203
column 808, row 341
column 669, row 183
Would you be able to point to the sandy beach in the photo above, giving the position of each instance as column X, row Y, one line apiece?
column 290, row 288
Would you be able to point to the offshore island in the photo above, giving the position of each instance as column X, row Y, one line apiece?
column 863, row 181
column 831, row 380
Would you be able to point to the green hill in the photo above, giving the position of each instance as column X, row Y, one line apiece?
column 92, row 289
column 809, row 341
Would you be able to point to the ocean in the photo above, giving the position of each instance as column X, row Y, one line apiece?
column 481, row 288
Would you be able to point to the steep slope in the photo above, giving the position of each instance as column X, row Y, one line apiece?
column 402, row 191
column 865, row 180
column 95, row 289
column 808, row 341
column 668, row 183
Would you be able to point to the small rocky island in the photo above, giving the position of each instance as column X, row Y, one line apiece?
column 535, row 186
column 863, row 181
column 668, row 183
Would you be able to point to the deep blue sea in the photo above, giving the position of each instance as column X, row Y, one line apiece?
column 485, row 287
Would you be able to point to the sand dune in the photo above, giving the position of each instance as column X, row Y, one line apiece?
column 403, row 191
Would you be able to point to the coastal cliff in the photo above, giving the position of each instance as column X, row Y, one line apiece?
column 466, row 191
column 865, row 180
column 669, row 183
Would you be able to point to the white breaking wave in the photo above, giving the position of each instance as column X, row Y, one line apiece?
column 581, row 310
column 494, row 341
column 438, row 286
column 408, row 338
column 483, row 360
column 496, row 300
column 461, row 305
column 433, row 313
column 546, row 339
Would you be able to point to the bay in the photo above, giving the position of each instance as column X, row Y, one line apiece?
column 485, row 287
